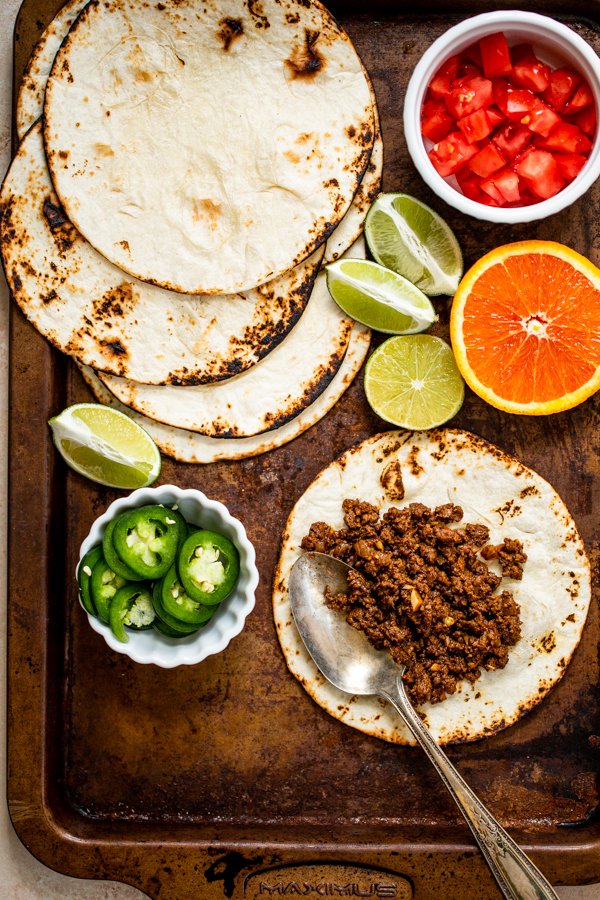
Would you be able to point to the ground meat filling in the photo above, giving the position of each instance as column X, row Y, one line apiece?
column 424, row 591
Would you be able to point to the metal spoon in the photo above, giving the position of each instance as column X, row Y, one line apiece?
column 351, row 663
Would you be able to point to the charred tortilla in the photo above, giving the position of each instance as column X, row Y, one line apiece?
column 493, row 489
column 207, row 147
column 191, row 447
column 91, row 310
column 264, row 397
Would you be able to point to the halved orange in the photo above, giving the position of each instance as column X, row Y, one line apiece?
column 525, row 327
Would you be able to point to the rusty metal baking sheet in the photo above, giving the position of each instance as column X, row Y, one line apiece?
column 212, row 781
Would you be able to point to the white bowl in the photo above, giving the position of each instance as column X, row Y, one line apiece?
column 152, row 647
column 556, row 45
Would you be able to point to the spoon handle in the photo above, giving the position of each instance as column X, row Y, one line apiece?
column 516, row 875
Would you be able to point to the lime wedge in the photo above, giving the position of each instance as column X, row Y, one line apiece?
column 414, row 382
column 106, row 446
column 410, row 238
column 378, row 297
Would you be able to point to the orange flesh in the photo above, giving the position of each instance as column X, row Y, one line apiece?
column 532, row 328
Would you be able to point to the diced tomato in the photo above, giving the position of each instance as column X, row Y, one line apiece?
column 436, row 123
column 586, row 121
column 500, row 87
column 581, row 98
column 570, row 164
column 510, row 129
column 528, row 71
column 540, row 170
column 492, row 191
column 513, row 139
column 441, row 83
column 469, row 184
column 468, row 95
column 475, row 127
column 561, row 87
column 542, row 118
column 506, row 182
column 566, row 138
column 469, row 70
column 495, row 117
column 516, row 103
column 495, row 55
column 472, row 53
column 488, row 160
column 451, row 154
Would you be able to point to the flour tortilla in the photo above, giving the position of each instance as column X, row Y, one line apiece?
column 493, row 489
column 207, row 147
column 33, row 84
column 91, row 310
column 264, row 397
column 191, row 447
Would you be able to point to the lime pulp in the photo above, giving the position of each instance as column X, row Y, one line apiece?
column 413, row 382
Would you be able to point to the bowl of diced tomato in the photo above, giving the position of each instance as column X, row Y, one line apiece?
column 500, row 116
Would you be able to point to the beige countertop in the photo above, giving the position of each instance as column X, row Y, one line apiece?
column 21, row 876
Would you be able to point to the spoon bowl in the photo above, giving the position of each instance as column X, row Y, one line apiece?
column 342, row 653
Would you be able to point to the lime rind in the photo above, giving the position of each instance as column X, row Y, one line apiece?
column 378, row 297
column 413, row 382
column 410, row 238
column 122, row 456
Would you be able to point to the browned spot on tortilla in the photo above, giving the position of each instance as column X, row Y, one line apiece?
column 125, row 246
column 113, row 302
column 292, row 18
column 529, row 491
column 141, row 76
column 54, row 214
column 304, row 137
column 306, row 61
column 64, row 154
column 63, row 232
column 255, row 8
column 229, row 30
column 548, row 642
column 351, row 131
column 293, row 157
column 206, row 209
column 104, row 149
column 415, row 467
column 115, row 347
column 391, row 480
column 49, row 297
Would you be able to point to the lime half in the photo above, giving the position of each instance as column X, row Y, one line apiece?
column 106, row 446
column 414, row 382
column 378, row 297
column 410, row 238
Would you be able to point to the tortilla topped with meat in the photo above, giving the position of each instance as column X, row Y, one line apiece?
column 494, row 490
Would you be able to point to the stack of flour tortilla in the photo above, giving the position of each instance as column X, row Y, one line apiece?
column 185, row 171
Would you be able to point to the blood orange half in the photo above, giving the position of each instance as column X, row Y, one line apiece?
column 525, row 327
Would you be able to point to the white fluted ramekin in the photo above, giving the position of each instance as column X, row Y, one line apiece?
column 152, row 647
column 557, row 45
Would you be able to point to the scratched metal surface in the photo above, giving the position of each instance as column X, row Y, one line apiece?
column 183, row 782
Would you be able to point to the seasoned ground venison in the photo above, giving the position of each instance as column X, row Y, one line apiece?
column 422, row 590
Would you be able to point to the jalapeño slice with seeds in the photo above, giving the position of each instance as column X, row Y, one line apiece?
column 147, row 539
column 179, row 606
column 112, row 557
column 162, row 613
column 131, row 607
column 209, row 567
column 104, row 584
